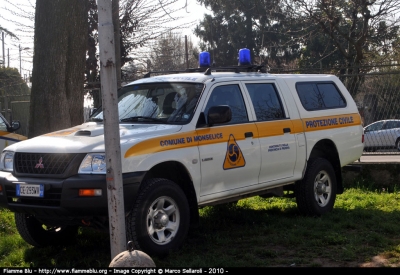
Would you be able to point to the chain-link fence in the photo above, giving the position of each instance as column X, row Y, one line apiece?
column 377, row 95
column 16, row 107
column 376, row 91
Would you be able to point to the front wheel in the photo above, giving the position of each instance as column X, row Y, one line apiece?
column 159, row 220
column 316, row 193
column 39, row 235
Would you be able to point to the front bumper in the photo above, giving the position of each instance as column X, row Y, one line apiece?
column 61, row 196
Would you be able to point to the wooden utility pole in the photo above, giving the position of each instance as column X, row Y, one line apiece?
column 116, row 211
column 186, row 53
column 4, row 58
column 117, row 39
column 20, row 67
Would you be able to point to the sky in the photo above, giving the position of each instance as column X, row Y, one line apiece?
column 24, row 46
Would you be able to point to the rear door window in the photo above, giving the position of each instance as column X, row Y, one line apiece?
column 266, row 102
column 391, row 124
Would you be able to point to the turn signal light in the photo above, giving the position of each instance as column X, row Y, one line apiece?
column 90, row 192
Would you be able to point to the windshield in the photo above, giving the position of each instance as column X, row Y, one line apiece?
column 164, row 102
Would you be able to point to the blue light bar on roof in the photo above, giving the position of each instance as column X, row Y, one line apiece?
column 244, row 57
column 204, row 59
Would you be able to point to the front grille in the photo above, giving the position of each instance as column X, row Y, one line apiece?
column 42, row 164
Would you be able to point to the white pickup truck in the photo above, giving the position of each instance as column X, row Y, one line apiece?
column 204, row 137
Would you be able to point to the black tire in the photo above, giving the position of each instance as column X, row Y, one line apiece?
column 398, row 144
column 37, row 234
column 316, row 193
column 159, row 219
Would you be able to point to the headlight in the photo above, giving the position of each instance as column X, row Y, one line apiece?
column 93, row 163
column 7, row 161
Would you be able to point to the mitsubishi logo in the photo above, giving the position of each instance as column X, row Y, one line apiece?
column 40, row 165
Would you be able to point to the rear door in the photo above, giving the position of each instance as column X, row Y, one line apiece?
column 276, row 132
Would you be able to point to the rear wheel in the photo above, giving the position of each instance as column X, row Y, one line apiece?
column 159, row 220
column 39, row 235
column 316, row 193
column 398, row 144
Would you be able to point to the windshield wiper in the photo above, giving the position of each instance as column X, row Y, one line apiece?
column 136, row 118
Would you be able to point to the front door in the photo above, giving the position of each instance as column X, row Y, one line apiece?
column 229, row 153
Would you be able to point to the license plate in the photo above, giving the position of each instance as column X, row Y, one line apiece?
column 30, row 190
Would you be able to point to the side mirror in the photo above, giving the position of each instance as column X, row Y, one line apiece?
column 219, row 114
column 15, row 125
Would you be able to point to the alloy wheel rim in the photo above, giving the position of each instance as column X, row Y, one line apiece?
column 163, row 219
column 322, row 188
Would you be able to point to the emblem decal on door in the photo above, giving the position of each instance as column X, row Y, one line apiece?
column 234, row 156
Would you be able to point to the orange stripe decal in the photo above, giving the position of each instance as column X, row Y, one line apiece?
column 12, row 136
column 159, row 144
column 213, row 135
column 274, row 128
column 64, row 132
column 199, row 137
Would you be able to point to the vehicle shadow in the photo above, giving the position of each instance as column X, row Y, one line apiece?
column 234, row 235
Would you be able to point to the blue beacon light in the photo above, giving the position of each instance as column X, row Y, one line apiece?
column 204, row 59
column 244, row 57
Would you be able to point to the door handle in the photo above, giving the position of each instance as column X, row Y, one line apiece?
column 286, row 130
column 248, row 134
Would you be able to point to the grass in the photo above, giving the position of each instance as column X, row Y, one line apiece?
column 255, row 232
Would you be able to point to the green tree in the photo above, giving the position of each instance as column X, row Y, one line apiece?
column 58, row 65
column 11, row 83
column 318, row 52
column 359, row 30
column 260, row 26
column 13, row 88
